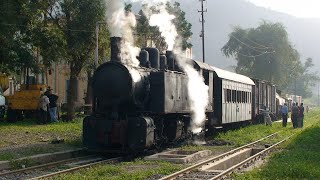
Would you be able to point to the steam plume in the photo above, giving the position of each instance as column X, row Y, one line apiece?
column 197, row 90
column 121, row 24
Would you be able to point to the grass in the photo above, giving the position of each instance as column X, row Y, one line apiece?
column 299, row 158
column 26, row 138
column 28, row 132
column 138, row 169
column 141, row 169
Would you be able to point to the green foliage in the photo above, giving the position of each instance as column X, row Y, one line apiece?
column 252, row 133
column 304, row 82
column 265, row 53
column 55, row 30
column 20, row 27
column 146, row 32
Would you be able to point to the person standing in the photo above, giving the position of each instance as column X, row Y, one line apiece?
column 294, row 115
column 266, row 116
column 52, row 105
column 43, row 108
column 301, row 115
column 307, row 109
column 284, row 111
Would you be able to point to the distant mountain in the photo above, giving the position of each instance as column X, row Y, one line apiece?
column 223, row 15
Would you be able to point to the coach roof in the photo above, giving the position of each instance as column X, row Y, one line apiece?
column 223, row 74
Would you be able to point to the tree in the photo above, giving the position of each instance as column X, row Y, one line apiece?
column 76, row 21
column 303, row 83
column 17, row 36
column 146, row 32
column 264, row 53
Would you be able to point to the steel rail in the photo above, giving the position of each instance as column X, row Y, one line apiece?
column 176, row 174
column 230, row 170
column 44, row 165
column 77, row 168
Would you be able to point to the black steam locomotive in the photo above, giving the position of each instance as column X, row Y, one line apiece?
column 135, row 108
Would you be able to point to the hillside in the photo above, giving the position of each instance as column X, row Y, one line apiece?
column 222, row 15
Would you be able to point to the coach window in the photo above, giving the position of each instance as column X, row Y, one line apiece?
column 238, row 96
column 246, row 96
column 228, row 95
column 234, row 96
column 243, row 97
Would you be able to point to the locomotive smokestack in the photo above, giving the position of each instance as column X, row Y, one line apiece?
column 170, row 60
column 115, row 49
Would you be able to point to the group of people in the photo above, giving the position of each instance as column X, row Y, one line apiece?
column 48, row 107
column 297, row 115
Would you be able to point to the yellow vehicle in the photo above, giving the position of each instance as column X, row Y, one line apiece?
column 24, row 102
column 4, row 85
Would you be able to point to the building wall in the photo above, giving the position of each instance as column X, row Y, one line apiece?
column 58, row 81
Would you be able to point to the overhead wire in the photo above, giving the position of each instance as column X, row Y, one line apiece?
column 258, row 49
column 266, row 47
column 253, row 56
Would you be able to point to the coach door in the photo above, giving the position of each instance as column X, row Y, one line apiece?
column 235, row 106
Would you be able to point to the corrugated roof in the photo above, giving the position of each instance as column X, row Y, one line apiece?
column 223, row 74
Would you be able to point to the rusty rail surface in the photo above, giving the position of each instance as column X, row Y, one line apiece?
column 248, row 160
column 44, row 165
column 78, row 168
column 193, row 167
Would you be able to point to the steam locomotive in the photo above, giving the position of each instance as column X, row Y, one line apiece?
column 135, row 108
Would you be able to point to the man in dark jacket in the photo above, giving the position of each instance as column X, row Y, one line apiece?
column 301, row 115
column 294, row 115
column 53, row 105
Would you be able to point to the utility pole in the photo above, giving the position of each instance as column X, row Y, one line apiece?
column 97, row 44
column 295, row 89
column 202, row 31
column 318, row 93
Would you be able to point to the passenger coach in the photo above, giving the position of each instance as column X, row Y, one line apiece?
column 233, row 94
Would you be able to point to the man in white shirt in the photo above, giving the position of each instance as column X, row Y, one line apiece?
column 43, row 108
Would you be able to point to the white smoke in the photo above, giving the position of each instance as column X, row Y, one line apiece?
column 162, row 19
column 168, row 31
column 121, row 24
column 198, row 92
column 135, row 75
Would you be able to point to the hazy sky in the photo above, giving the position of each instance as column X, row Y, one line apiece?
column 298, row 8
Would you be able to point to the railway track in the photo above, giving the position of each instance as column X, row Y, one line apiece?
column 57, row 168
column 206, row 170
